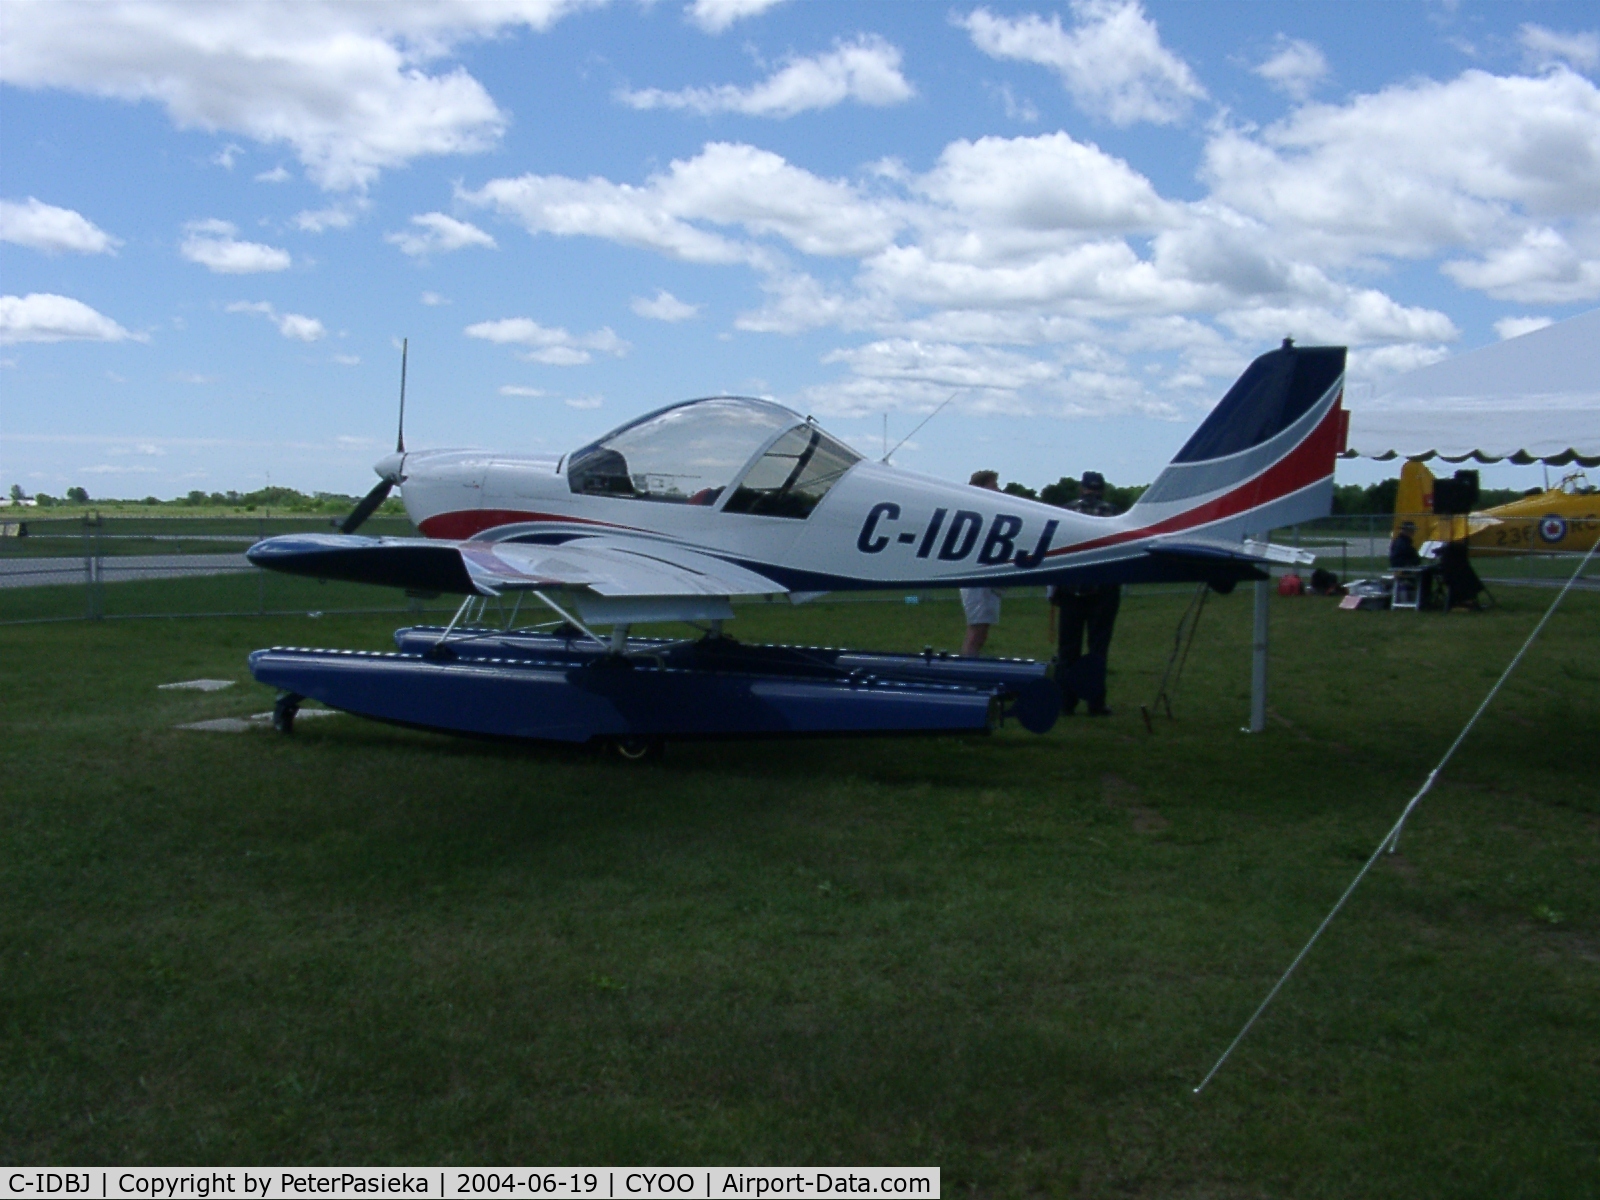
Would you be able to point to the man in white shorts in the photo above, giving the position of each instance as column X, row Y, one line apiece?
column 982, row 605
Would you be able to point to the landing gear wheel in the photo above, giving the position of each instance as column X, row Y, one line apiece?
column 284, row 710
column 635, row 749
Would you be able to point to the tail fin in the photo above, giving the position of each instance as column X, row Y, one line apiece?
column 1264, row 457
column 1413, row 501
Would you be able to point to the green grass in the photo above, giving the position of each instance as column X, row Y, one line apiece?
column 248, row 592
column 1010, row 956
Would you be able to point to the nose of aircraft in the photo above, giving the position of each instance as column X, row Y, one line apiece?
column 388, row 467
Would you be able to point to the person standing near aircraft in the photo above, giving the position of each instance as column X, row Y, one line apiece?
column 1086, row 612
column 982, row 605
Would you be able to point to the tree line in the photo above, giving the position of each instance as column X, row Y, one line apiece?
column 1349, row 499
column 278, row 499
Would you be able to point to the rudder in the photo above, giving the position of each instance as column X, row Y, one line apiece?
column 1413, row 500
column 1264, row 457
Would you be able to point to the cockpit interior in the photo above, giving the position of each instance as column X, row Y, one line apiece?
column 744, row 455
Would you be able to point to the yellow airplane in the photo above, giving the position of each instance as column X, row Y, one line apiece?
column 1562, row 519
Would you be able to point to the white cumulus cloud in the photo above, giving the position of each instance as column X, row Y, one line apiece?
column 336, row 216
column 664, row 306
column 436, row 233
column 553, row 347
column 1047, row 275
column 353, row 89
column 1510, row 327
column 1501, row 171
column 44, row 317
column 1295, row 69
column 866, row 70
column 301, row 328
column 728, row 185
column 1047, row 183
column 1111, row 61
column 715, row 16
column 294, row 326
column 1546, row 47
column 213, row 245
column 45, row 227
column 944, row 365
column 1542, row 267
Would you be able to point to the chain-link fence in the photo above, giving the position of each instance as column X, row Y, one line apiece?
column 99, row 566
column 67, row 568
column 1520, row 551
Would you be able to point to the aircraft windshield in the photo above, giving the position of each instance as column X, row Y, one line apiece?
column 793, row 475
column 686, row 454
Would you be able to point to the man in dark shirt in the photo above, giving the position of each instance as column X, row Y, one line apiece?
column 1403, row 547
column 1086, row 612
column 1403, row 556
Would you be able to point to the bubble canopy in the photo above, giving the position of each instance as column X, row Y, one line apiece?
column 690, row 453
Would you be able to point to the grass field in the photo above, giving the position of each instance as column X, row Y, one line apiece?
column 1012, row 957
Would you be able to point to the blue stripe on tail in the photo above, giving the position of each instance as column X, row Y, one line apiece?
column 1275, row 391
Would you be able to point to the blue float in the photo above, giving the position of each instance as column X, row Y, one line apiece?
column 549, row 687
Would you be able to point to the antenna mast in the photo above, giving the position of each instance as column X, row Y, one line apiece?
column 400, row 439
column 920, row 424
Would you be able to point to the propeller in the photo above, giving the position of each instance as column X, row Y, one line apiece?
column 368, row 506
column 388, row 469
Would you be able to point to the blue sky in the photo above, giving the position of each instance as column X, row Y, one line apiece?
column 217, row 221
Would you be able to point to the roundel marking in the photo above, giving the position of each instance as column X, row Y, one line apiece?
column 1553, row 528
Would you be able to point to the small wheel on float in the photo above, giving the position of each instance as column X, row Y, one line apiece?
column 635, row 749
column 284, row 709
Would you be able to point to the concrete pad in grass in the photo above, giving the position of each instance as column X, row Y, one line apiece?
column 253, row 721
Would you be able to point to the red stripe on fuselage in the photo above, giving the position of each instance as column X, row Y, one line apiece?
column 466, row 523
column 1310, row 461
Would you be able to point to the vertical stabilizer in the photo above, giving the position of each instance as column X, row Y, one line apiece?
column 1414, row 501
column 1264, row 457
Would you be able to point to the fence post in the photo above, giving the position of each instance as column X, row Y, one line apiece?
column 261, row 576
column 91, row 566
column 88, row 573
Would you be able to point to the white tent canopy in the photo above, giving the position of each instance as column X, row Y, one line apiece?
column 1528, row 399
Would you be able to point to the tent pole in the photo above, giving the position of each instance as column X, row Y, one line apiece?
column 1258, row 659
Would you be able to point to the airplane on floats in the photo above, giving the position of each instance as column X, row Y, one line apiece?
column 674, row 515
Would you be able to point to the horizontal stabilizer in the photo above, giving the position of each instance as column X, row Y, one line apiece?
column 1248, row 553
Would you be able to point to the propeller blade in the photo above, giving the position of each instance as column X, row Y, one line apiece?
column 368, row 506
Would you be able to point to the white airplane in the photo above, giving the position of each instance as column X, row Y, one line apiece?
column 673, row 515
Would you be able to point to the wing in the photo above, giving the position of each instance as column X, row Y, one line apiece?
column 606, row 577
